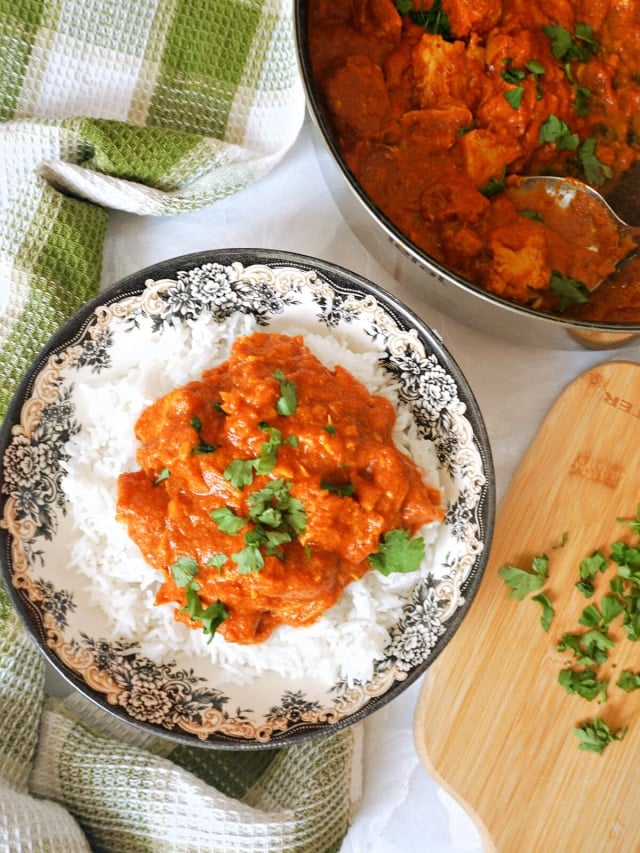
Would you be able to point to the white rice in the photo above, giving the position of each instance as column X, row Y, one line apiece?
column 123, row 586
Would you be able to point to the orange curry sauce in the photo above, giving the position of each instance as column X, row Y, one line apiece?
column 334, row 464
column 435, row 116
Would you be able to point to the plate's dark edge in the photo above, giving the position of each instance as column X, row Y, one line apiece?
column 338, row 276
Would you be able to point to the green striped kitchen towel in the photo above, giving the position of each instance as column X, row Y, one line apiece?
column 148, row 106
column 153, row 107
column 73, row 778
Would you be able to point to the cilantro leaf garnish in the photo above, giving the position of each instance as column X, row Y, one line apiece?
column 434, row 20
column 493, row 187
column 227, row 520
column 590, row 649
column 201, row 446
column 570, row 290
column 266, row 461
column 532, row 214
column 535, row 67
column 558, row 131
column 631, row 622
column 210, row 617
column 248, row 559
column 511, row 75
column 398, row 552
column 522, row 582
column 595, row 735
column 163, row 475
column 288, row 400
column 577, row 48
column 239, row 472
column 275, row 516
column 595, row 172
column 583, row 98
column 213, row 616
column 276, row 495
column 184, row 570
column 515, row 76
column 343, row 490
column 561, row 41
column 329, row 428
column 514, row 96
column 217, row 561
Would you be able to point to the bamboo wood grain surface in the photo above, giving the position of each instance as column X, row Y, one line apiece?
column 493, row 725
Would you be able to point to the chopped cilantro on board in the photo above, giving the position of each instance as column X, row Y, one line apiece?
column 611, row 607
column 628, row 681
column 589, row 568
column 584, row 683
column 633, row 523
column 590, row 648
column 547, row 609
column 522, row 582
column 594, row 735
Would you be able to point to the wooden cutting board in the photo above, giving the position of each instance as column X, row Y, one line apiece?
column 493, row 725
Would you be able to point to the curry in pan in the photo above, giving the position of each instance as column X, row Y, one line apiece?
column 438, row 108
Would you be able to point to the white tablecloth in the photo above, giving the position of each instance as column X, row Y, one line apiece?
column 403, row 810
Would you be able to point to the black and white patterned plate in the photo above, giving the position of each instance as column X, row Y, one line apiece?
column 179, row 697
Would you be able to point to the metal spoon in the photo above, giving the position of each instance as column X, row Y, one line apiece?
column 567, row 192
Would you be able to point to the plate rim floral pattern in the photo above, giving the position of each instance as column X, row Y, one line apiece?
column 176, row 702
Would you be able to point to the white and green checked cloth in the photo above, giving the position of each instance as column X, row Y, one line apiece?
column 154, row 107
